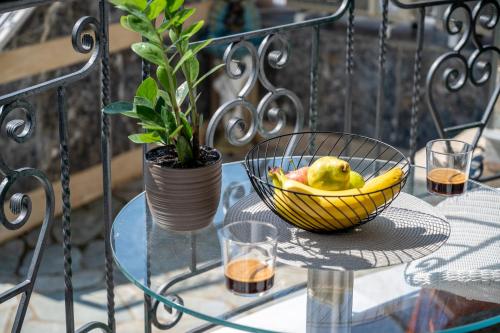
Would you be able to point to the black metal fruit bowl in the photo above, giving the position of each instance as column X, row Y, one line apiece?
column 384, row 168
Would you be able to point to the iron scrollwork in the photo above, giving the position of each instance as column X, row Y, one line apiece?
column 83, row 42
column 86, row 38
column 275, row 58
column 458, row 68
column 20, row 130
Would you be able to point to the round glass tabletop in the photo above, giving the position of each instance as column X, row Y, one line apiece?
column 456, row 292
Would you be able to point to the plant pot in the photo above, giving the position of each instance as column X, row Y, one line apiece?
column 183, row 199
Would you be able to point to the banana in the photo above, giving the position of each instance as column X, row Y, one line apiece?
column 320, row 210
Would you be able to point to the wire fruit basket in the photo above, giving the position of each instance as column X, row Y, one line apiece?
column 327, row 211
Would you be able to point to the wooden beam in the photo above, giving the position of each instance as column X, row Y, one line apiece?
column 39, row 58
column 85, row 187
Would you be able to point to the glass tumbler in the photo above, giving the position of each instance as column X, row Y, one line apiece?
column 249, row 254
column 448, row 165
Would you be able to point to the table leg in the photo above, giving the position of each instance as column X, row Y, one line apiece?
column 329, row 301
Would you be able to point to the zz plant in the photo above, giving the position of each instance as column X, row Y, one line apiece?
column 165, row 104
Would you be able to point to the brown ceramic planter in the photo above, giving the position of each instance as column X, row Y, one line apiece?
column 183, row 199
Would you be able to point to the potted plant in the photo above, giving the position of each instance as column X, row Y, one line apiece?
column 182, row 178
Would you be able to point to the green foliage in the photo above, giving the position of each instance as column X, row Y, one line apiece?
column 165, row 110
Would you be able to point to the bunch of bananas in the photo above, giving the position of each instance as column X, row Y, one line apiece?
column 320, row 210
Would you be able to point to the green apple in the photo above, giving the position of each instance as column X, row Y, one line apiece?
column 356, row 180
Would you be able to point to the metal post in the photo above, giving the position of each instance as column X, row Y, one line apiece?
column 415, row 101
column 146, row 71
column 329, row 301
column 381, row 68
column 349, row 62
column 106, row 163
column 495, row 122
column 313, row 108
column 66, row 219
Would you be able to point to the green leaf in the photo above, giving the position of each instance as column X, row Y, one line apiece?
column 173, row 5
column 147, row 114
column 187, row 130
column 139, row 4
column 173, row 36
column 151, row 126
column 155, row 8
column 134, row 11
column 193, row 69
column 182, row 60
column 184, row 150
column 167, row 24
column 144, row 27
column 138, row 100
column 145, row 138
column 118, row 107
column 160, row 103
column 148, row 89
column 131, row 114
column 198, row 47
column 192, row 29
column 169, row 120
column 207, row 74
column 181, row 93
column 150, row 52
column 165, row 97
column 184, row 14
column 162, row 75
column 175, row 132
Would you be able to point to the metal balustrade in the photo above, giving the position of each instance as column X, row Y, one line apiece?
column 90, row 35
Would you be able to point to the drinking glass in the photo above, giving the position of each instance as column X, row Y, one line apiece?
column 249, row 254
column 448, row 165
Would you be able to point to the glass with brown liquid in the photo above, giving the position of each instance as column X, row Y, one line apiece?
column 448, row 164
column 249, row 253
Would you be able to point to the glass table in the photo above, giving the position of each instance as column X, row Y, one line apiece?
column 183, row 273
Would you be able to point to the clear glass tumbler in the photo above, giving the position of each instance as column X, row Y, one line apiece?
column 448, row 165
column 249, row 254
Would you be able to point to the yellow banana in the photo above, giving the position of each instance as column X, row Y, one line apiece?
column 319, row 210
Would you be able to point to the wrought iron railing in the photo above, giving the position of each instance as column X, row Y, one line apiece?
column 476, row 69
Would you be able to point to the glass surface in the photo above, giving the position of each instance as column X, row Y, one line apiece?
column 249, row 256
column 382, row 300
column 448, row 166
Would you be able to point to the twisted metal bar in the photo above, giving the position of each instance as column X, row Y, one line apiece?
column 106, row 162
column 415, row 101
column 20, row 130
column 381, row 68
column 146, row 71
column 66, row 219
column 349, row 62
column 313, row 98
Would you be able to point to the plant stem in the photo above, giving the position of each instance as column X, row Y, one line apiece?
column 171, row 89
column 194, row 120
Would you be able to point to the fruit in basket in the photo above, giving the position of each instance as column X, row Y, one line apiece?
column 356, row 180
column 299, row 175
column 313, row 209
column 329, row 173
